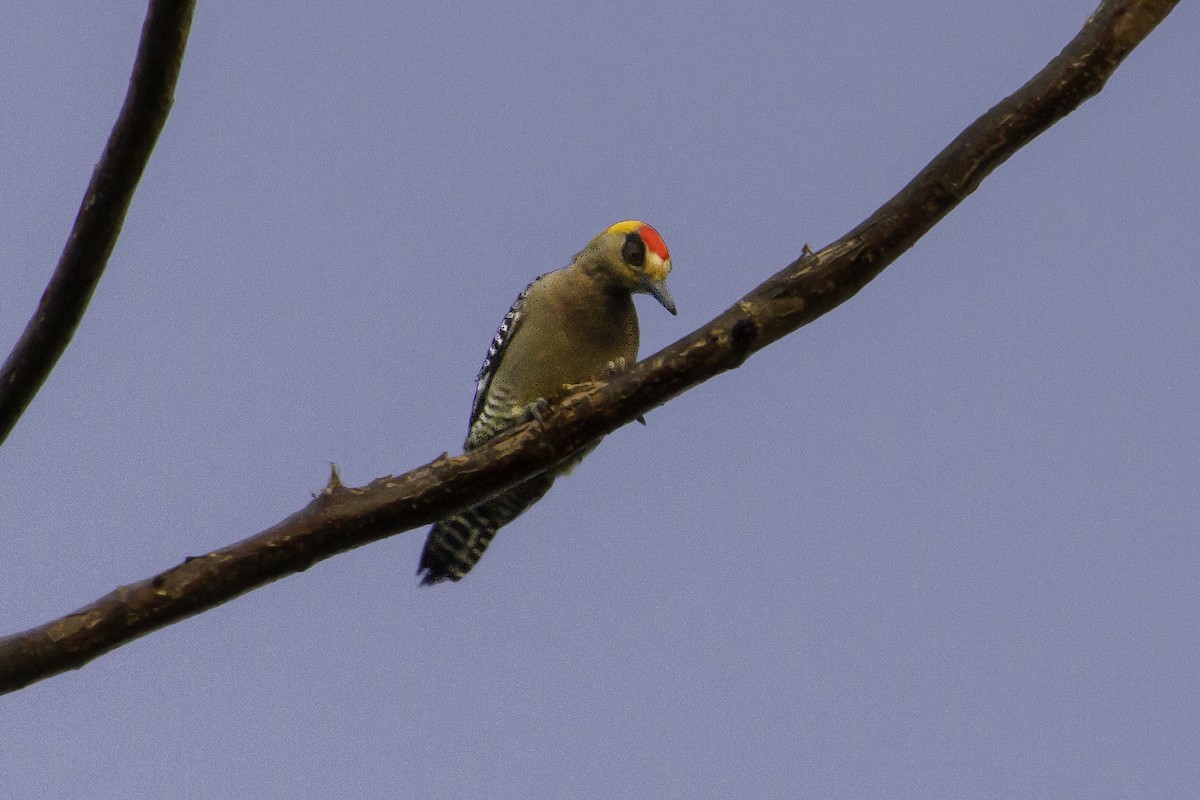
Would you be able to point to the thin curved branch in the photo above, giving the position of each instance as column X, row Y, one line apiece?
column 341, row 518
column 102, row 212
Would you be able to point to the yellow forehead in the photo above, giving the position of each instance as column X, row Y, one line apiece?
column 628, row 226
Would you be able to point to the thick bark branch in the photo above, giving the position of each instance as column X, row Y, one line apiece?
column 102, row 212
column 341, row 518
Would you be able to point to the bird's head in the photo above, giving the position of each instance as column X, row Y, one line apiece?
column 632, row 256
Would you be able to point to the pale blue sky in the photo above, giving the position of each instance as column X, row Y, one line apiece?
column 941, row 543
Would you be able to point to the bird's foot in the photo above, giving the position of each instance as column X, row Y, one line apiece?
column 537, row 410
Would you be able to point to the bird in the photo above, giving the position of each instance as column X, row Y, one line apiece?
column 572, row 326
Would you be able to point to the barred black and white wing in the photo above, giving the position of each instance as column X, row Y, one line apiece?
column 491, row 410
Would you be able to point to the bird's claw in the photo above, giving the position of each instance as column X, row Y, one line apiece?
column 616, row 367
column 537, row 410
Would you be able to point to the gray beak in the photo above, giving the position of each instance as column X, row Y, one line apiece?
column 658, row 290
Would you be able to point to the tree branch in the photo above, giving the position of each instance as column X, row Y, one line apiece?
column 98, row 223
column 341, row 518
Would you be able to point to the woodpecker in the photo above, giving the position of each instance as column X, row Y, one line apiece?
column 574, row 325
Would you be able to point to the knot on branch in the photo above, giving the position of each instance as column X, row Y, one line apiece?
column 742, row 338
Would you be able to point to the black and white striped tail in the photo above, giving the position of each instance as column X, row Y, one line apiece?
column 457, row 543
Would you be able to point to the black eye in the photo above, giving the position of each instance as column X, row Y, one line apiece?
column 634, row 251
